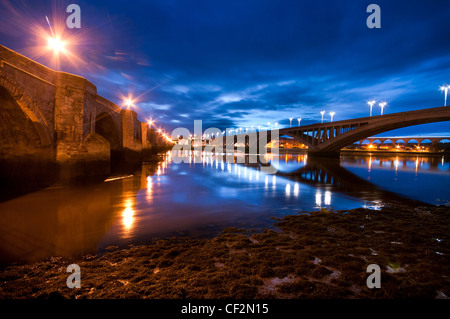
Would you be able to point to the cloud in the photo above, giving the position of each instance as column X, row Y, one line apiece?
column 242, row 63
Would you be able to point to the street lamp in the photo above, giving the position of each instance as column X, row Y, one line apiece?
column 444, row 89
column 299, row 120
column 290, row 121
column 276, row 125
column 128, row 103
column 268, row 125
column 332, row 115
column 382, row 105
column 322, row 112
column 371, row 103
column 58, row 46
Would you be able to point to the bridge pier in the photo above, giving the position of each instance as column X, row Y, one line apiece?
column 78, row 150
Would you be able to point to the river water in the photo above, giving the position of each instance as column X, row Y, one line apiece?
column 199, row 199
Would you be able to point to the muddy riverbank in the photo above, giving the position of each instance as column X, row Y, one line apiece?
column 320, row 254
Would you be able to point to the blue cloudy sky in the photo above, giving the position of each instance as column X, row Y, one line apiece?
column 235, row 63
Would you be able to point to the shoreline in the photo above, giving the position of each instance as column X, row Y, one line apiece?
column 322, row 254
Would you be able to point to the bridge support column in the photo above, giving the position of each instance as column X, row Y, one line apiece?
column 131, row 136
column 79, row 151
column 146, row 143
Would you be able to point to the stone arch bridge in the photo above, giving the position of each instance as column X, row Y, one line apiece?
column 59, row 117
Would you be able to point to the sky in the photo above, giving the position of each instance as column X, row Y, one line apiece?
column 237, row 64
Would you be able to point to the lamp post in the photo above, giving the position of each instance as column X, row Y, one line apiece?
column 444, row 89
column 128, row 103
column 371, row 103
column 382, row 105
column 299, row 120
column 57, row 45
column 322, row 113
column 290, row 121
column 332, row 115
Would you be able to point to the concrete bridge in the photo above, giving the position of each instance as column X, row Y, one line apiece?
column 59, row 117
column 327, row 139
column 430, row 140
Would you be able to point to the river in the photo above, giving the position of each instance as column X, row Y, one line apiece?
column 163, row 199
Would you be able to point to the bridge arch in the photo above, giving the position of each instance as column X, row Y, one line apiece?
column 106, row 127
column 412, row 141
column 19, row 134
column 13, row 94
column 426, row 141
column 377, row 141
column 351, row 131
column 388, row 141
column 400, row 141
column 445, row 140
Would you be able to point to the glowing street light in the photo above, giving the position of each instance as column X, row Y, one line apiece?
column 58, row 46
column 290, row 121
column 444, row 89
column 332, row 115
column 371, row 103
column 299, row 120
column 276, row 125
column 382, row 105
column 322, row 113
column 128, row 103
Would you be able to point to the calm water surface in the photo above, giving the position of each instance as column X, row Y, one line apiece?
column 199, row 199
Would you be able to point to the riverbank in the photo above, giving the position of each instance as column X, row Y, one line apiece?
column 320, row 254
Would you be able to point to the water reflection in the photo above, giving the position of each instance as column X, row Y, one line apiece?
column 165, row 198
column 128, row 218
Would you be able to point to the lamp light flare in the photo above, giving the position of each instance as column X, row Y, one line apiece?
column 382, row 105
column 371, row 103
column 332, row 115
column 128, row 103
column 445, row 88
column 322, row 113
column 56, row 44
